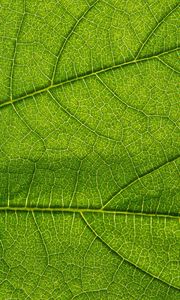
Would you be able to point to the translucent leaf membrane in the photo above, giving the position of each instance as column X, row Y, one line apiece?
column 89, row 150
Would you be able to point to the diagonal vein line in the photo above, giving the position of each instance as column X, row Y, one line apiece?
column 82, row 123
column 41, row 237
column 168, row 66
column 15, row 49
column 117, row 193
column 84, row 76
column 118, row 97
column 68, row 38
column 121, row 256
column 73, row 210
column 155, row 28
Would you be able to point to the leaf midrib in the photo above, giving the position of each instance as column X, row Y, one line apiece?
column 85, row 210
column 84, row 76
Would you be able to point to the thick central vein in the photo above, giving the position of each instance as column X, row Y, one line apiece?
column 84, row 76
column 86, row 210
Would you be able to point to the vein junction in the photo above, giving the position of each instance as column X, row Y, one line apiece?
column 84, row 76
column 85, row 210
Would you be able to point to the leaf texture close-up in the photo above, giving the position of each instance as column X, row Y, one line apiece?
column 89, row 150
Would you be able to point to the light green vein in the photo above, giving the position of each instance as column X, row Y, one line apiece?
column 78, row 21
column 122, row 257
column 84, row 76
column 154, row 30
column 85, row 210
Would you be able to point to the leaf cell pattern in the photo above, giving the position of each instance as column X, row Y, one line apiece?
column 89, row 164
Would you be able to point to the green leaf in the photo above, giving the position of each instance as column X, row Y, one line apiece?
column 89, row 150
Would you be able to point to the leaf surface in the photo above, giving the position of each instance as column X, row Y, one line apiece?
column 89, row 150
